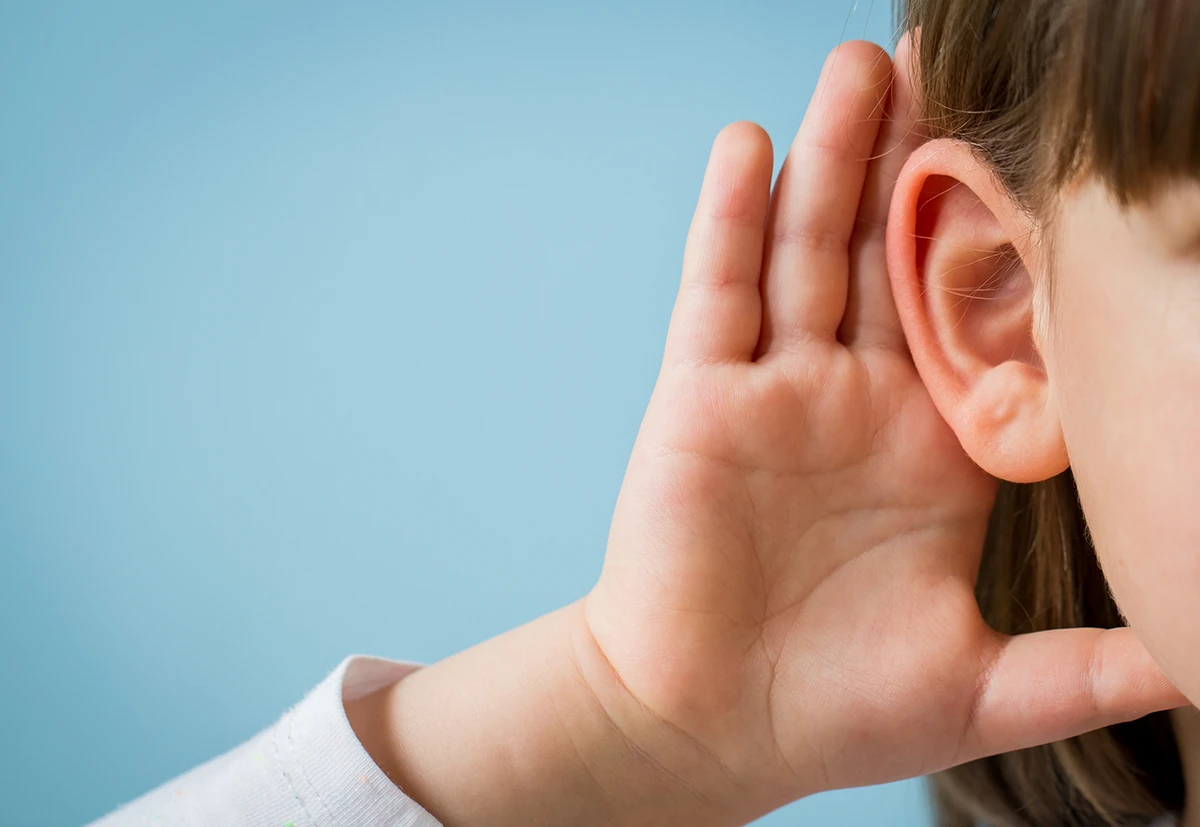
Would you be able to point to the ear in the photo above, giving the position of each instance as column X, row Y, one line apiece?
column 960, row 256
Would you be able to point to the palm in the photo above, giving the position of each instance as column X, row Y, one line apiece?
column 790, row 571
column 764, row 539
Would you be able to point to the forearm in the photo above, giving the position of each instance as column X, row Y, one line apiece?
column 531, row 727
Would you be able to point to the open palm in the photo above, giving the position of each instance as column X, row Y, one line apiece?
column 789, row 581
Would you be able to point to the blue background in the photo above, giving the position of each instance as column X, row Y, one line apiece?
column 328, row 329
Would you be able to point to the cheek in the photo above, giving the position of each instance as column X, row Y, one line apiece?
column 1127, row 373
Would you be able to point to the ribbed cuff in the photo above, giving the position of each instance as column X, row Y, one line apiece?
column 325, row 766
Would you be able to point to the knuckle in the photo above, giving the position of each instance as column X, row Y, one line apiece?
column 812, row 234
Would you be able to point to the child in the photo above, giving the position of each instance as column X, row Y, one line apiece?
column 859, row 438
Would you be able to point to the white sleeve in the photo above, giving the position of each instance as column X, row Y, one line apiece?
column 307, row 770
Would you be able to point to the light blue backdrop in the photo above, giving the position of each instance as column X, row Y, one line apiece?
column 327, row 328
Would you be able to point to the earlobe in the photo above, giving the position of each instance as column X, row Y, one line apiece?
column 959, row 256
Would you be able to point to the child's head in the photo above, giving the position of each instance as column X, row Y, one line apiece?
column 1046, row 263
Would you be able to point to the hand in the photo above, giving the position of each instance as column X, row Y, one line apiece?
column 787, row 599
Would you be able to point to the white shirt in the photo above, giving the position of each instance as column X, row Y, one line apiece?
column 306, row 770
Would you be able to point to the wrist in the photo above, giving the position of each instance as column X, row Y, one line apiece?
column 533, row 727
column 665, row 775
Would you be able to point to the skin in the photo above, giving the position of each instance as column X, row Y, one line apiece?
column 1131, row 311
column 1085, row 354
column 786, row 603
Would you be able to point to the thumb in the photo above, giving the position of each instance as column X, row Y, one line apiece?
column 1047, row 686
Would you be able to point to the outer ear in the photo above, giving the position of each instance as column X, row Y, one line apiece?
column 960, row 253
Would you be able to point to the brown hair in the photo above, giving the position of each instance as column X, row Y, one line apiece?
column 1047, row 91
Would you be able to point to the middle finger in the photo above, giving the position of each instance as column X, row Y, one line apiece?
column 816, row 199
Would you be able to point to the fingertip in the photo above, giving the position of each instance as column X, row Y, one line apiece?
column 1127, row 676
column 903, row 48
column 915, row 39
column 738, row 181
column 857, row 46
column 745, row 142
column 861, row 53
column 906, row 62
